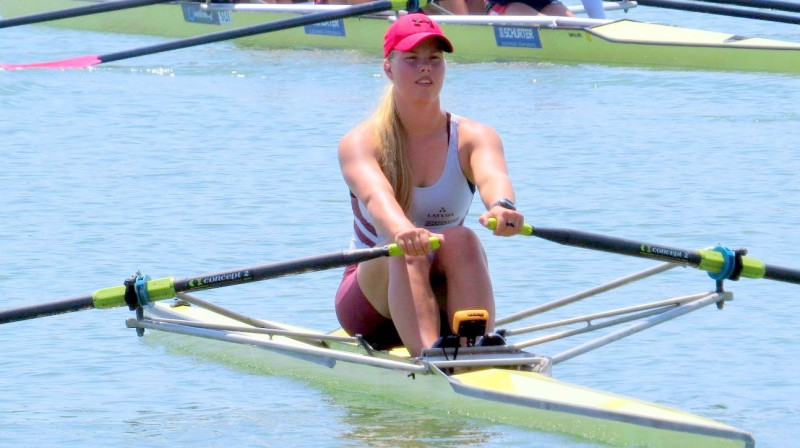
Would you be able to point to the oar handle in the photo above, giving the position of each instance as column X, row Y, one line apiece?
column 147, row 290
column 274, row 270
column 527, row 229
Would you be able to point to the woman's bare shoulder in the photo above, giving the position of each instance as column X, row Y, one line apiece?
column 474, row 131
column 359, row 135
column 359, row 142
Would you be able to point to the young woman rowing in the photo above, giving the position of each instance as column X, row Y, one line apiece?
column 412, row 171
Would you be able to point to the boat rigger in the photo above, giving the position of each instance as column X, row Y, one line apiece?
column 495, row 377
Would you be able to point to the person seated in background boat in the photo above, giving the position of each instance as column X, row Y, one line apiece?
column 527, row 8
column 412, row 170
column 594, row 8
column 457, row 7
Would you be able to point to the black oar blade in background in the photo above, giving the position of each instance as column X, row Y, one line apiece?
column 694, row 6
column 778, row 5
column 278, row 25
column 76, row 12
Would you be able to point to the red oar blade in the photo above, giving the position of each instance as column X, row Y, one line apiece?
column 79, row 62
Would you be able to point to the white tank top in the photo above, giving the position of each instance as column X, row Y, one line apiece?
column 435, row 207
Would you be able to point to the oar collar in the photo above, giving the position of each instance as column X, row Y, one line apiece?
column 136, row 294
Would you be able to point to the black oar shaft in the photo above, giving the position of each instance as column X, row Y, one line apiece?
column 76, row 12
column 278, row 25
column 605, row 243
column 279, row 269
column 782, row 274
column 712, row 261
column 720, row 10
column 766, row 4
column 167, row 287
column 46, row 309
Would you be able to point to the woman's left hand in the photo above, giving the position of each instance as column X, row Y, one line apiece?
column 509, row 222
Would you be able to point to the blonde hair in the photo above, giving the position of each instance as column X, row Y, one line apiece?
column 393, row 148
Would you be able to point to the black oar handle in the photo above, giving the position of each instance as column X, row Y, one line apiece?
column 76, row 12
column 278, row 25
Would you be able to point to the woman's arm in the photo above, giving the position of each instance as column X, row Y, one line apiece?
column 358, row 159
column 488, row 170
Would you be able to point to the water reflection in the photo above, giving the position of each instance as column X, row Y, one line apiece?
column 371, row 422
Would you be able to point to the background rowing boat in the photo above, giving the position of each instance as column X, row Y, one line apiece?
column 190, row 161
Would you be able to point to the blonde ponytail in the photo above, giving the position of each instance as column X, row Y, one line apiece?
column 393, row 150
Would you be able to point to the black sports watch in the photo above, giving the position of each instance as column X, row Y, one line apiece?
column 505, row 203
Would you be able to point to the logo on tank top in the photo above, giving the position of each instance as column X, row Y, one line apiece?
column 440, row 218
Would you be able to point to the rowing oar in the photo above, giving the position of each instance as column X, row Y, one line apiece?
column 309, row 19
column 141, row 290
column 76, row 12
column 766, row 4
column 720, row 10
column 720, row 263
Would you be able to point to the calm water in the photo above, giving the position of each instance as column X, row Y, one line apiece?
column 218, row 157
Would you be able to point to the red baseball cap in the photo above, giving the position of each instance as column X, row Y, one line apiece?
column 411, row 29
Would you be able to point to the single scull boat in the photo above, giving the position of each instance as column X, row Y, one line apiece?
column 502, row 383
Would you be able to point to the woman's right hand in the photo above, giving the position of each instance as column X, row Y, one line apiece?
column 416, row 241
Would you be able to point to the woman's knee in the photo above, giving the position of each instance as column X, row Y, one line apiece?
column 461, row 242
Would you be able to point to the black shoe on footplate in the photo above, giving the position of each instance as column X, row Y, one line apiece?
column 449, row 341
column 490, row 340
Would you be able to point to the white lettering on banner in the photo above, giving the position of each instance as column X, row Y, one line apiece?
column 516, row 33
column 517, row 36
column 327, row 28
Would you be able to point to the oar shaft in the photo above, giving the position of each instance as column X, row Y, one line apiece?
column 720, row 10
column 46, row 309
column 767, row 4
column 282, row 24
column 711, row 261
column 605, row 243
column 279, row 269
column 142, row 290
column 782, row 274
column 75, row 12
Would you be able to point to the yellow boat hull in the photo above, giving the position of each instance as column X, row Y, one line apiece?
column 500, row 395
